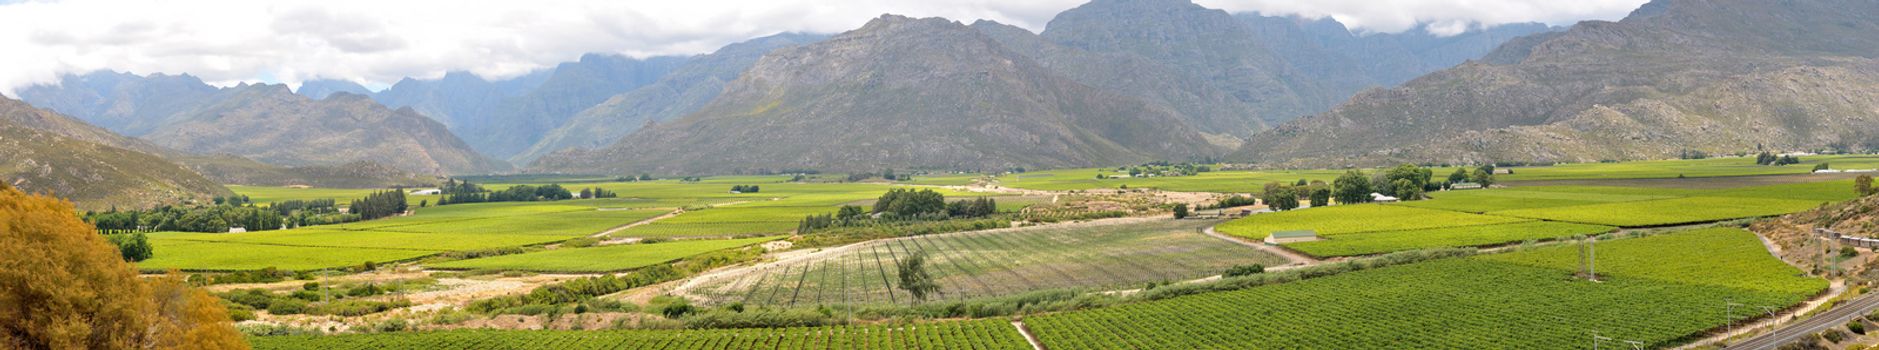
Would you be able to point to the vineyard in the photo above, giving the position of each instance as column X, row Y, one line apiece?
column 967, row 335
column 1482, row 201
column 992, row 263
column 1342, row 219
column 1665, row 211
column 433, row 230
column 603, row 258
column 1367, row 243
column 1655, row 290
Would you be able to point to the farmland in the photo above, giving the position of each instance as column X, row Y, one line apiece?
column 1665, row 211
column 1377, row 242
column 1482, row 201
column 1656, row 290
column 1233, row 181
column 434, row 230
column 984, row 334
column 993, row 263
column 1344, row 219
column 1663, row 169
column 603, row 258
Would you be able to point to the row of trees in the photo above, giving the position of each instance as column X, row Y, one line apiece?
column 380, row 204
column 1863, row 186
column 902, row 204
column 1766, row 158
column 458, row 192
column 188, row 219
column 746, row 188
column 597, row 192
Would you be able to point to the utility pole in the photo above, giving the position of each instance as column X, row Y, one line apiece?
column 1591, row 246
column 1596, row 339
column 1635, row 345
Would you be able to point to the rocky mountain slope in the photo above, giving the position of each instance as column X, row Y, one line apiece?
column 124, row 103
column 235, row 170
column 1719, row 76
column 519, row 122
column 902, row 93
column 319, row 89
column 684, row 90
column 270, row 124
column 42, row 151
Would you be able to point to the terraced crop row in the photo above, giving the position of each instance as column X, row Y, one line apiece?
column 968, row 335
column 1367, row 243
column 1656, row 290
column 986, row 264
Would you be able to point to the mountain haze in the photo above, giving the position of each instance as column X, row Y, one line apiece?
column 1720, row 76
column 273, row 125
column 902, row 93
column 683, row 91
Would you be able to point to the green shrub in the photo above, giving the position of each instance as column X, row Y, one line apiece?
column 1856, row 327
column 1242, row 270
column 287, row 307
column 1833, row 335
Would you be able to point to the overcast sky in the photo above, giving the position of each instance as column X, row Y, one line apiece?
column 377, row 42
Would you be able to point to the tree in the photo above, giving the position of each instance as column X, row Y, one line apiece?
column 1863, row 186
column 914, row 278
column 1407, row 190
column 1352, row 187
column 1180, row 211
column 1459, row 176
column 1280, row 197
column 1484, row 176
column 1320, row 195
column 850, row 213
column 66, row 287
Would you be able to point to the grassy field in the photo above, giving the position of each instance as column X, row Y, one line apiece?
column 266, row 194
column 1658, row 169
column 1234, row 181
column 603, row 258
column 1377, row 242
column 1665, row 211
column 431, row 231
column 984, row 334
column 1343, row 219
column 1656, row 290
column 981, row 264
column 1481, row 201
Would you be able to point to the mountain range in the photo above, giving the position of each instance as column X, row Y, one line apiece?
column 1719, row 76
column 44, row 152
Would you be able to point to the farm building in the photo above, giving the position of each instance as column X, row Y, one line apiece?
column 1380, row 198
column 1465, row 186
column 1282, row 237
column 237, row 229
column 426, row 192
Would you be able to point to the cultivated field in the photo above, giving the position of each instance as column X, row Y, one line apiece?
column 1342, row 219
column 433, row 230
column 1656, row 290
column 985, row 334
column 602, row 258
column 994, row 263
column 1378, row 242
column 1665, row 211
column 1661, row 169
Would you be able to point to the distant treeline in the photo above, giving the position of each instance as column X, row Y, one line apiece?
column 458, row 192
column 901, row 205
column 380, row 204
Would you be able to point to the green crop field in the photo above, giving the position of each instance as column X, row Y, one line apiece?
column 433, row 230
column 966, row 335
column 603, row 258
column 1656, row 290
column 268, row 194
column 1342, row 219
column 1712, row 167
column 1231, row 181
column 1377, row 242
column 1481, row 201
column 214, row 256
column 984, row 264
column 1665, row 211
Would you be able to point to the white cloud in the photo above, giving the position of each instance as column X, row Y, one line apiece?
column 1442, row 16
column 378, row 42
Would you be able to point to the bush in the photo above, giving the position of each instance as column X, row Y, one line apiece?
column 356, row 307
column 287, row 306
column 1833, row 335
column 1848, row 252
column 1242, row 270
column 1856, row 327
